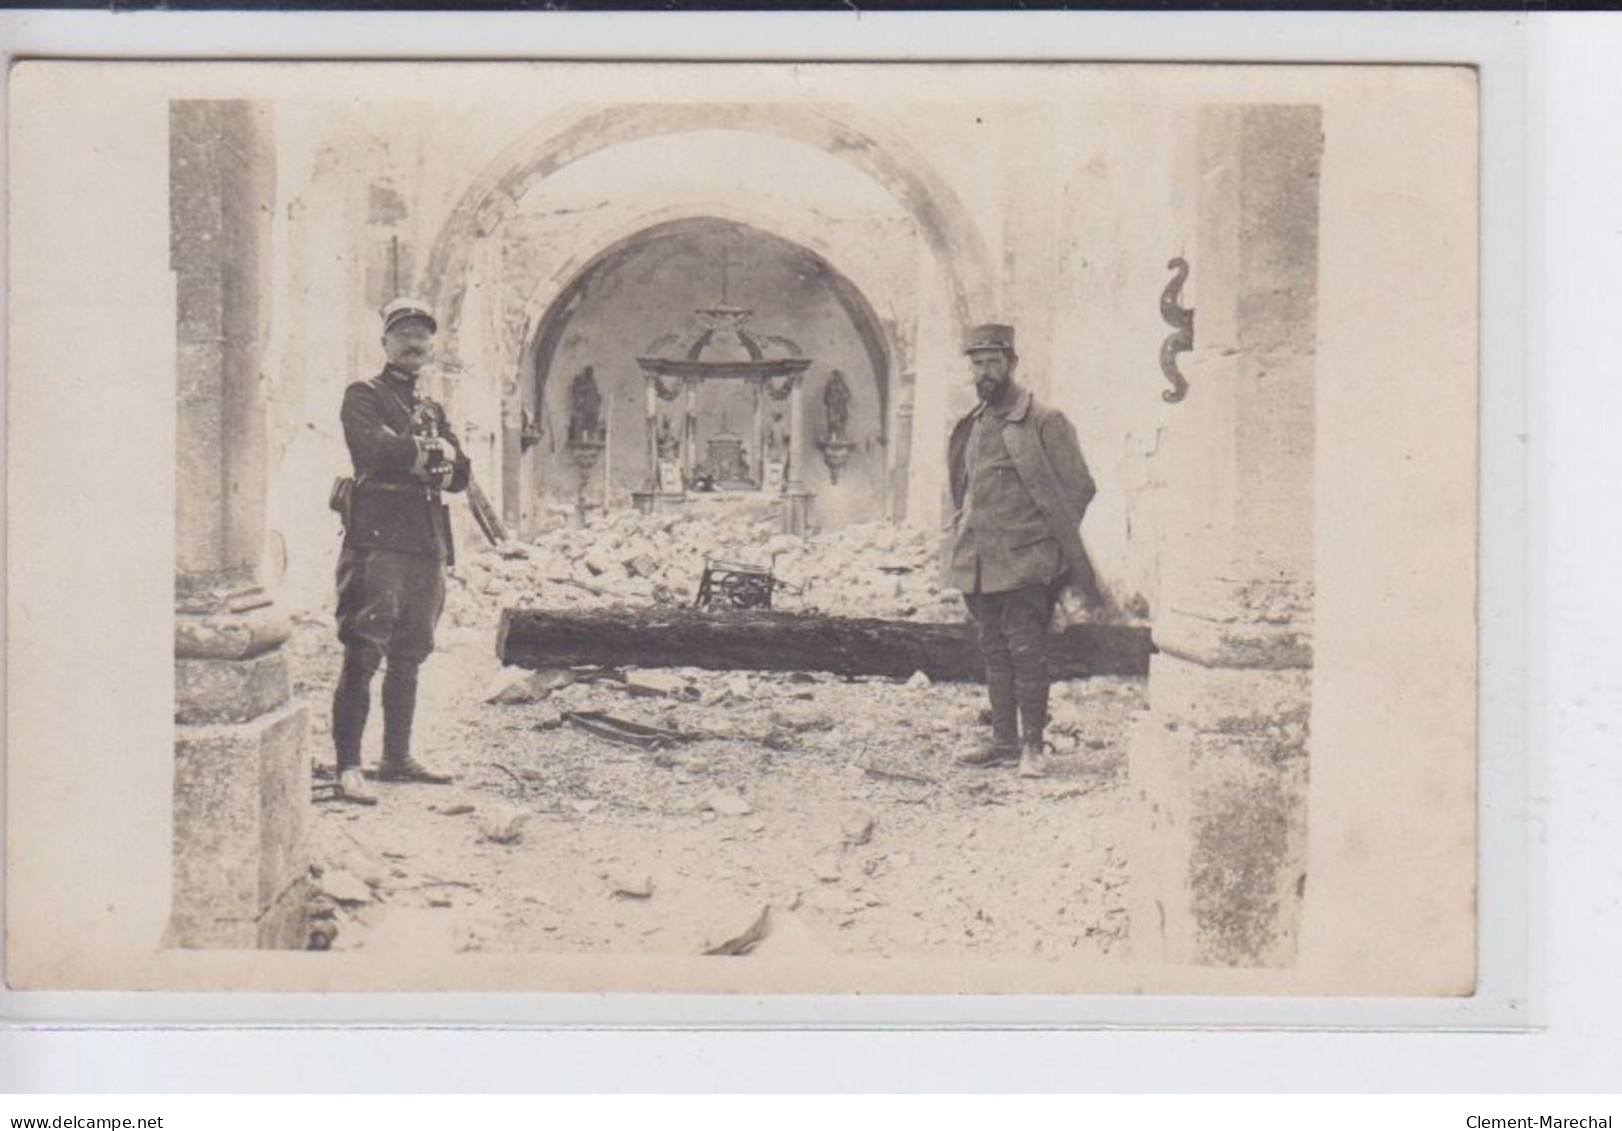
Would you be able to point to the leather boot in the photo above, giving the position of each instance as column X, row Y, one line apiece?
column 399, row 711
column 352, row 703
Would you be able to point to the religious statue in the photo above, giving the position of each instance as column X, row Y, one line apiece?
column 836, row 402
column 836, row 444
column 585, row 409
column 773, row 441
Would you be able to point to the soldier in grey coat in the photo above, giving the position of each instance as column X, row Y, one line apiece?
column 1020, row 488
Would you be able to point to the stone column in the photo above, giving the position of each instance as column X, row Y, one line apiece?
column 796, row 499
column 758, row 385
column 1219, row 766
column 901, row 448
column 242, row 777
column 689, row 427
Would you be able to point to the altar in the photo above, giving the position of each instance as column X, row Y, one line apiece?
column 763, row 376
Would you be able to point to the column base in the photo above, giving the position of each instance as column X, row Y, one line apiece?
column 796, row 510
column 1219, row 777
column 241, row 799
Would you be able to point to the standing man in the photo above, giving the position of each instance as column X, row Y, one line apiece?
column 397, row 543
column 1020, row 488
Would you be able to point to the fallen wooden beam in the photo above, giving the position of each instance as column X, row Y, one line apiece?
column 762, row 640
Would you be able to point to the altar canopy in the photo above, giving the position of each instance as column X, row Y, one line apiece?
column 722, row 348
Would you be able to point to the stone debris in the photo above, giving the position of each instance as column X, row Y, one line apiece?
column 800, row 717
column 750, row 938
column 658, row 681
column 826, row 868
column 872, row 569
column 855, row 800
column 920, row 681
column 640, row 887
column 503, row 823
column 517, row 686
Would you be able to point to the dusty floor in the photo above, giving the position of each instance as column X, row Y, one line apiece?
column 836, row 801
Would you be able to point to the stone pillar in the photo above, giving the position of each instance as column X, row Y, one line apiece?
column 1219, row 766
column 796, row 499
column 242, row 777
column 901, row 449
column 758, row 385
column 689, row 427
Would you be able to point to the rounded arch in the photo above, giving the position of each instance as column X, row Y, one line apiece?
column 883, row 309
column 941, row 218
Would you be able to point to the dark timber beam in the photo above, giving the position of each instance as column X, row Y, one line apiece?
column 724, row 640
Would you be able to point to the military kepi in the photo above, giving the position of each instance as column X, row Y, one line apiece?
column 398, row 310
column 990, row 336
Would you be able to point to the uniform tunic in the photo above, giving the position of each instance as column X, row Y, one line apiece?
column 1004, row 541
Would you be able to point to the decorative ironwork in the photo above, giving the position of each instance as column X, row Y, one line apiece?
column 529, row 431
column 1181, row 320
column 739, row 586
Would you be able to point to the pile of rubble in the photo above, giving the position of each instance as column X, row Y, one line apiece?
column 868, row 570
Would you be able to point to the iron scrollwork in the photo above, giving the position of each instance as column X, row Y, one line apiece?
column 1181, row 320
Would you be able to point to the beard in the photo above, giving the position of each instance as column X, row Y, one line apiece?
column 991, row 389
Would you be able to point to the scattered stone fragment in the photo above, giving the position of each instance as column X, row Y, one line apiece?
column 640, row 887
column 584, row 806
column 503, row 824
column 749, row 939
column 800, row 717
column 528, row 687
column 920, row 680
column 859, row 830
column 656, row 682
column 345, row 887
column 456, row 811
column 826, row 868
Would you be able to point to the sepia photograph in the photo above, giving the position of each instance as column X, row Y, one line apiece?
column 884, row 528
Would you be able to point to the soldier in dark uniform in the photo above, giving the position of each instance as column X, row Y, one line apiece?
column 397, row 543
column 1020, row 488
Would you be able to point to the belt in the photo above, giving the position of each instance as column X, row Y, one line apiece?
column 421, row 491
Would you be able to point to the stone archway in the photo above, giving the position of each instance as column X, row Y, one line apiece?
column 942, row 221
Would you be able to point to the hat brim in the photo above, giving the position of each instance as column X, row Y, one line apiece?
column 403, row 317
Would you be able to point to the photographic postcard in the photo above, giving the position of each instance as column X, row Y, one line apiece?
column 741, row 528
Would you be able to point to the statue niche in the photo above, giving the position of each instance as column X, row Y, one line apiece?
column 587, row 436
column 668, row 477
column 836, row 444
column 586, row 424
